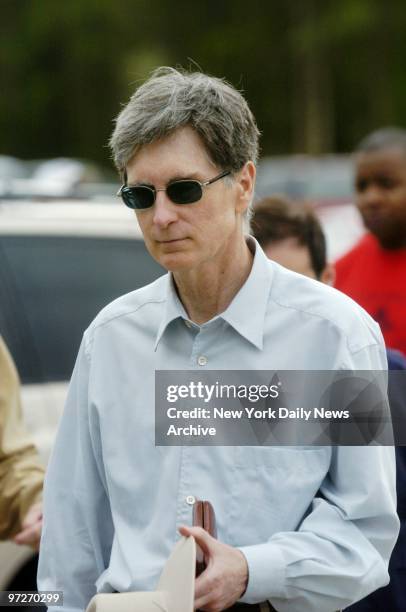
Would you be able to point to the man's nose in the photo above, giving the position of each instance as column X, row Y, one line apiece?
column 370, row 197
column 165, row 211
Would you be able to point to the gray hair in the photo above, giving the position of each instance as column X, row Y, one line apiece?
column 171, row 99
column 384, row 138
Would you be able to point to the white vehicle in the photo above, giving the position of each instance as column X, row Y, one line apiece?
column 60, row 263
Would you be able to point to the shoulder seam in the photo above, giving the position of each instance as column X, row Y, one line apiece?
column 93, row 327
column 313, row 314
column 123, row 314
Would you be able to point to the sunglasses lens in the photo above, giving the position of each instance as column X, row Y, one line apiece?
column 138, row 197
column 184, row 192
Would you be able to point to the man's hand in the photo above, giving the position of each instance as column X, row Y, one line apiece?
column 225, row 577
column 31, row 527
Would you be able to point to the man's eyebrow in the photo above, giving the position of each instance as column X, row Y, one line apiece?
column 140, row 184
column 195, row 176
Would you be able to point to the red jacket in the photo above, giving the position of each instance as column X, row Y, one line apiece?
column 376, row 279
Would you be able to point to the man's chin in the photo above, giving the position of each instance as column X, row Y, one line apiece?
column 177, row 261
column 389, row 240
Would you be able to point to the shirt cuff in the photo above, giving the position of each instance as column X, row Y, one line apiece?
column 266, row 572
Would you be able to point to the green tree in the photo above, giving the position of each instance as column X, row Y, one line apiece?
column 318, row 74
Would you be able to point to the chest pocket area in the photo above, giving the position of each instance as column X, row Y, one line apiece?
column 274, row 487
column 282, row 457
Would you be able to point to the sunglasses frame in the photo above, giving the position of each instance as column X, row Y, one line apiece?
column 154, row 190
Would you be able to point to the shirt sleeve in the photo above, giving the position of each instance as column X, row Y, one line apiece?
column 341, row 550
column 21, row 471
column 78, row 528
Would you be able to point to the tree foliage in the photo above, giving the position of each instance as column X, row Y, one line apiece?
column 318, row 74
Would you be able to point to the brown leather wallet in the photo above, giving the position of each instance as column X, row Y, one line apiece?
column 203, row 516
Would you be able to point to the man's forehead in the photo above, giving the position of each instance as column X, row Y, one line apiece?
column 297, row 260
column 289, row 249
column 179, row 154
column 384, row 158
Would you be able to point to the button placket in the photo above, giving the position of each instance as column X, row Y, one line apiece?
column 206, row 336
column 185, row 497
column 196, row 349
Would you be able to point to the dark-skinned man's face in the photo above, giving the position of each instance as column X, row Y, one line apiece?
column 380, row 184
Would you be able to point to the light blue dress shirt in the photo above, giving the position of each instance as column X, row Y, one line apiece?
column 316, row 524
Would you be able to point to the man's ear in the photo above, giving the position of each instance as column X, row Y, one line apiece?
column 328, row 276
column 246, row 183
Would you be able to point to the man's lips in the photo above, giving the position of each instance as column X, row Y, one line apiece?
column 171, row 241
column 374, row 219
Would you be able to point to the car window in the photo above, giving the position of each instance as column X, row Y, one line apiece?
column 52, row 287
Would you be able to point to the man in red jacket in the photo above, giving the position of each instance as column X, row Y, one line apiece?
column 373, row 273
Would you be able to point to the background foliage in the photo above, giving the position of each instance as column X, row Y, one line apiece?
column 318, row 74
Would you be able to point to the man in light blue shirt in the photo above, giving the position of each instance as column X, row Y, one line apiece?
column 305, row 528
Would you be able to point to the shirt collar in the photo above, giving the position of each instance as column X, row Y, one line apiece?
column 246, row 313
column 173, row 309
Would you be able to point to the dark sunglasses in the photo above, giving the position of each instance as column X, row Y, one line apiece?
column 185, row 191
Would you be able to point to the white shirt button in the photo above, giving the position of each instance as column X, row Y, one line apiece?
column 202, row 360
column 190, row 500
